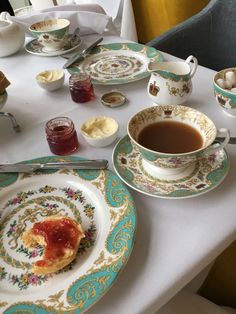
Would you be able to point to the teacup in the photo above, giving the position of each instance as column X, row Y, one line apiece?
column 186, row 136
column 51, row 34
column 170, row 82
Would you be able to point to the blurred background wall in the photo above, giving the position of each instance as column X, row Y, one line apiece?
column 154, row 17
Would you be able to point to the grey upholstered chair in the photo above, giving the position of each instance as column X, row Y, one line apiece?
column 210, row 36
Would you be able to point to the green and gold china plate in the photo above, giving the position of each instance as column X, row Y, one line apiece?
column 95, row 198
column 117, row 63
column 35, row 48
column 208, row 174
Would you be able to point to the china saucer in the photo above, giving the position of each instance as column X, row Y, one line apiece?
column 36, row 48
column 207, row 174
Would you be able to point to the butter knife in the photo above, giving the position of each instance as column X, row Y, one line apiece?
column 82, row 54
column 97, row 164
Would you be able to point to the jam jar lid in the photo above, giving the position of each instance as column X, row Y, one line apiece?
column 113, row 99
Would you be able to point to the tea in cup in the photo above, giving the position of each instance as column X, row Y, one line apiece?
column 170, row 82
column 172, row 138
column 52, row 34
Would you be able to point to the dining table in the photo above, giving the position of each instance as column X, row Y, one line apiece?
column 176, row 238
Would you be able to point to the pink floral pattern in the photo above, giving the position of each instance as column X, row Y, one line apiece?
column 49, row 204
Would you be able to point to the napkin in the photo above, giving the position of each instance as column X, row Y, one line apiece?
column 110, row 6
column 122, row 15
column 90, row 18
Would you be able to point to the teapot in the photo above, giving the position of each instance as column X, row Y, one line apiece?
column 170, row 82
column 12, row 36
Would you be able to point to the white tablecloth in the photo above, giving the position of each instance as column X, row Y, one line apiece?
column 176, row 239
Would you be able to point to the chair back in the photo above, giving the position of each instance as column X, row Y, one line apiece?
column 222, row 35
column 208, row 35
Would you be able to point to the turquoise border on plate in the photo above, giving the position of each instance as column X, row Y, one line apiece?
column 88, row 289
column 150, row 52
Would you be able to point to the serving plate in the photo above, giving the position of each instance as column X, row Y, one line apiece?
column 95, row 198
column 117, row 63
column 208, row 173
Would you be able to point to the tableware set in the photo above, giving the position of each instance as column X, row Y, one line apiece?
column 86, row 189
column 170, row 83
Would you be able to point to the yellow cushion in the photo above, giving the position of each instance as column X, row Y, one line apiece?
column 154, row 17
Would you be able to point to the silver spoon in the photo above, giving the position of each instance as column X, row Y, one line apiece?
column 232, row 140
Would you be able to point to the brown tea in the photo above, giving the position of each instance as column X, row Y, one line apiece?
column 170, row 137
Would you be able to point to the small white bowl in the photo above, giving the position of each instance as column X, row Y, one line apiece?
column 100, row 131
column 51, row 80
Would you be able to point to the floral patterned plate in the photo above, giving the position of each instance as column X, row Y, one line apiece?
column 117, row 63
column 36, row 48
column 99, row 201
column 207, row 175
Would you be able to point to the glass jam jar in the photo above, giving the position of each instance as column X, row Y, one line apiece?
column 61, row 136
column 81, row 87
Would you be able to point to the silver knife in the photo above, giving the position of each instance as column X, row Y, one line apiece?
column 81, row 55
column 97, row 164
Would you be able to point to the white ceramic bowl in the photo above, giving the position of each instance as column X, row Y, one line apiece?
column 100, row 131
column 51, row 80
column 226, row 97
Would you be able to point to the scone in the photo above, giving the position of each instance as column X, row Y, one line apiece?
column 60, row 236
